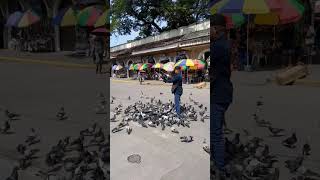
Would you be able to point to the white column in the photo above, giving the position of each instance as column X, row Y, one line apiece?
column 8, row 29
column 57, row 38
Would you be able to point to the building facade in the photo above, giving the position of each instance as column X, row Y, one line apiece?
column 191, row 42
column 64, row 38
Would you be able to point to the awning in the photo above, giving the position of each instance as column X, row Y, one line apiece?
column 155, row 49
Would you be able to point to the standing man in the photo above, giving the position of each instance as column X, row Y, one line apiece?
column 176, row 89
column 98, row 53
column 221, row 89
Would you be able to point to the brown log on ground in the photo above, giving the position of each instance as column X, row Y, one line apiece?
column 290, row 75
column 201, row 85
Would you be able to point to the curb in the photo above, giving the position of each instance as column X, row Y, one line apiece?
column 150, row 84
column 311, row 83
column 47, row 62
column 303, row 82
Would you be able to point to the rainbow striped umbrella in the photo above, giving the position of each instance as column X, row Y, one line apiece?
column 185, row 62
column 103, row 19
column 136, row 67
column 280, row 11
column 158, row 66
column 131, row 67
column 88, row 16
column 66, row 17
column 14, row 19
column 198, row 64
column 234, row 20
column 169, row 67
column 28, row 18
column 145, row 66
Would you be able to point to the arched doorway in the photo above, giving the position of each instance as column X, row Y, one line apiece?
column 151, row 60
column 13, row 6
column 164, row 61
column 41, row 34
column 204, row 55
column 180, row 56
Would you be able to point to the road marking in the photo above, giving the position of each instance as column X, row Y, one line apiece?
column 47, row 62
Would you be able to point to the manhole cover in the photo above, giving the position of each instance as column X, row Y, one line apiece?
column 135, row 158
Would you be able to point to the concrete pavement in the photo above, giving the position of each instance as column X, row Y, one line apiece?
column 164, row 157
column 37, row 91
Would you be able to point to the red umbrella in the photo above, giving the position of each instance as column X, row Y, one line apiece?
column 100, row 31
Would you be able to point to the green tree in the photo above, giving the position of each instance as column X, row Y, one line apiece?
column 151, row 17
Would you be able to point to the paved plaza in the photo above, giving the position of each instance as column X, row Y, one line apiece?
column 37, row 91
column 164, row 157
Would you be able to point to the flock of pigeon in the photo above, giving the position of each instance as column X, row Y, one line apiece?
column 250, row 158
column 157, row 114
column 85, row 157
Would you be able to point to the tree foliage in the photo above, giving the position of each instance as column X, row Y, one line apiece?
column 151, row 17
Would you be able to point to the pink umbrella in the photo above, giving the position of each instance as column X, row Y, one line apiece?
column 100, row 31
column 288, row 13
column 274, row 5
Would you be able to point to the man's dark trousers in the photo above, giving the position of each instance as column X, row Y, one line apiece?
column 216, row 133
column 177, row 103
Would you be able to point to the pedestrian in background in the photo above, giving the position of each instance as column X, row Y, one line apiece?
column 98, row 53
column 221, row 90
column 176, row 88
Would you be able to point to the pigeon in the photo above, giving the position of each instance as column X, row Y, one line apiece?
column 129, row 98
column 294, row 164
column 306, row 149
column 5, row 128
column 290, row 141
column 262, row 123
column 21, row 148
column 236, row 139
column 89, row 131
column 11, row 115
column 14, row 174
column 276, row 131
column 151, row 124
column 113, row 98
column 33, row 137
column 307, row 172
column 61, row 115
column 116, row 129
column 246, row 132
column 112, row 102
column 206, row 147
column 174, row 130
column 186, row 139
column 128, row 129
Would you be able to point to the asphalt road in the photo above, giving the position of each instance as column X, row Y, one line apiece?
column 37, row 91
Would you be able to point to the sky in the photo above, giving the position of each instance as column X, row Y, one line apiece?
column 117, row 39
